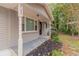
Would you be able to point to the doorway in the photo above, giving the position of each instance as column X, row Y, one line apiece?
column 40, row 28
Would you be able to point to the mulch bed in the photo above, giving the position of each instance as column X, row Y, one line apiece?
column 45, row 48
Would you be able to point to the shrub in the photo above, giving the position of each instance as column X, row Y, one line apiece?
column 56, row 52
column 76, row 33
column 55, row 38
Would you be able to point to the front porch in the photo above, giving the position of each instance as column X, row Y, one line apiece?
column 23, row 26
column 31, row 45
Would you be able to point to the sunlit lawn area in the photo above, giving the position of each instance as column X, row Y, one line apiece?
column 72, row 42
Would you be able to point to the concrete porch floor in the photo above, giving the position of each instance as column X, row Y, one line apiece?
column 28, row 47
column 31, row 45
column 7, row 52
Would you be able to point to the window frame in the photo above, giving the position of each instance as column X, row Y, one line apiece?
column 25, row 23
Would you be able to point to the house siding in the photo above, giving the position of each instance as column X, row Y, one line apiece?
column 14, row 28
column 8, row 28
column 4, row 27
column 30, row 36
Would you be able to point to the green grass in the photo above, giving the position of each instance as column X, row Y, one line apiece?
column 73, row 43
column 56, row 53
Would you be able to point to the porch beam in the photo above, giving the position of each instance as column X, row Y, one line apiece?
column 20, row 40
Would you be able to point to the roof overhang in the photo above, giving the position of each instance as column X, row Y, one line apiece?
column 48, row 10
column 14, row 6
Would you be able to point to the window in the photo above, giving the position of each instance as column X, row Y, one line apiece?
column 29, row 24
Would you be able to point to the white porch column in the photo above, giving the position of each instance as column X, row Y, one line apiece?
column 20, row 40
column 50, row 28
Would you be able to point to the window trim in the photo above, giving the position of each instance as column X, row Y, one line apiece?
column 30, row 31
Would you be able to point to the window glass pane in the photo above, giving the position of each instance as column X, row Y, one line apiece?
column 35, row 25
column 23, row 24
column 29, row 24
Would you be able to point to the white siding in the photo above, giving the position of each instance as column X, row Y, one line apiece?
column 13, row 28
column 30, row 36
column 4, row 18
column 14, row 31
column 8, row 28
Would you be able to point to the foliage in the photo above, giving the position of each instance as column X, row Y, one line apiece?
column 55, row 38
column 56, row 52
column 60, row 18
column 63, row 13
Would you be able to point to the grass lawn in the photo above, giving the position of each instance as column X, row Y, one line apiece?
column 70, row 41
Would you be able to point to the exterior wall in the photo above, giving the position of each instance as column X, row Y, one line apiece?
column 30, row 36
column 14, row 28
column 46, row 28
column 8, row 28
column 14, row 31
column 33, row 14
column 4, row 28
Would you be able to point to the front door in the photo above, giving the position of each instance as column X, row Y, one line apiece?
column 40, row 28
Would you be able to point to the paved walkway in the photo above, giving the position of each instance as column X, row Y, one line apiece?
column 70, row 45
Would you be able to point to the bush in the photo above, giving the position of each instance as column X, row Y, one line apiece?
column 76, row 33
column 55, row 38
column 56, row 52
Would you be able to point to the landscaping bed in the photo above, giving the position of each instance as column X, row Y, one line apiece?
column 45, row 48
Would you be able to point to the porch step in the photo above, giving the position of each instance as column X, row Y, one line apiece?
column 28, row 47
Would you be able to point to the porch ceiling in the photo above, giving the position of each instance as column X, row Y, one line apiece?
column 14, row 6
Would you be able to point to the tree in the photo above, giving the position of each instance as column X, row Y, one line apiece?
column 64, row 13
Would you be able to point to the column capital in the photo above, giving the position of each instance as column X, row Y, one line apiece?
column 20, row 10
